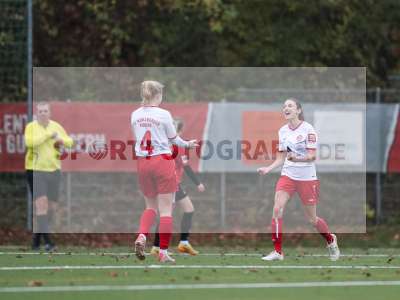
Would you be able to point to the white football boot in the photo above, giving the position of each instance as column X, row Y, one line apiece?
column 333, row 249
column 140, row 245
column 273, row 256
column 163, row 257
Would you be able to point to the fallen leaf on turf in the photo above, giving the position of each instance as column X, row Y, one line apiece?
column 253, row 270
column 35, row 283
column 113, row 274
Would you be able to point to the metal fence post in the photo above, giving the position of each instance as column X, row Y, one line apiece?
column 68, row 192
column 378, row 185
column 222, row 206
column 29, row 97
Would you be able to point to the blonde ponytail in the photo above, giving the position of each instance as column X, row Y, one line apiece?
column 149, row 90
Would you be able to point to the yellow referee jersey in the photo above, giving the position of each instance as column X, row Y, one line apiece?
column 41, row 153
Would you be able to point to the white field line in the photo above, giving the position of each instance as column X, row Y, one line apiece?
column 30, row 268
column 90, row 288
column 201, row 254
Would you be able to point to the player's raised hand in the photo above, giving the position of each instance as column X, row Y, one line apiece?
column 263, row 170
column 201, row 188
column 193, row 144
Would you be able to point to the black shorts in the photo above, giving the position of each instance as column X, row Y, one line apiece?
column 44, row 184
column 180, row 193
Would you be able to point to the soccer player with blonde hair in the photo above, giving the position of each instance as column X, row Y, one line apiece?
column 154, row 130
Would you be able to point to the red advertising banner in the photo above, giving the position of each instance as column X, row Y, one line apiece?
column 101, row 131
column 260, row 130
column 393, row 163
column 13, row 119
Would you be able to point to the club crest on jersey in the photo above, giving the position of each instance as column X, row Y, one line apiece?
column 311, row 138
column 299, row 138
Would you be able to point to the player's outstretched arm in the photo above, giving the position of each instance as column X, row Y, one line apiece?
column 177, row 140
column 280, row 159
column 193, row 177
column 174, row 138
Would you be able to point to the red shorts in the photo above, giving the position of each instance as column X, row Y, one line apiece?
column 307, row 190
column 156, row 175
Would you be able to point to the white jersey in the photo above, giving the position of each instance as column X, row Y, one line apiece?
column 298, row 141
column 152, row 128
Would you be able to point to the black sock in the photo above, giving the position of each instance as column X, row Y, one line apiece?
column 43, row 227
column 36, row 240
column 157, row 235
column 46, row 238
column 50, row 220
column 186, row 225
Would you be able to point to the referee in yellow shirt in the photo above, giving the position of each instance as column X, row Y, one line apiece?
column 43, row 139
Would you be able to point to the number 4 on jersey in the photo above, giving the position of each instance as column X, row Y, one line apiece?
column 145, row 144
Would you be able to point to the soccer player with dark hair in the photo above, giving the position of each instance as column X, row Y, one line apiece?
column 182, row 199
column 297, row 153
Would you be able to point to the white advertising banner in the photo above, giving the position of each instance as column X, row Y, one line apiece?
column 340, row 137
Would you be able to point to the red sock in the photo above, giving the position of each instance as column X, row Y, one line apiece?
column 276, row 233
column 146, row 221
column 165, row 231
column 323, row 230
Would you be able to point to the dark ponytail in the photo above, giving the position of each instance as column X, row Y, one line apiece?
column 178, row 124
